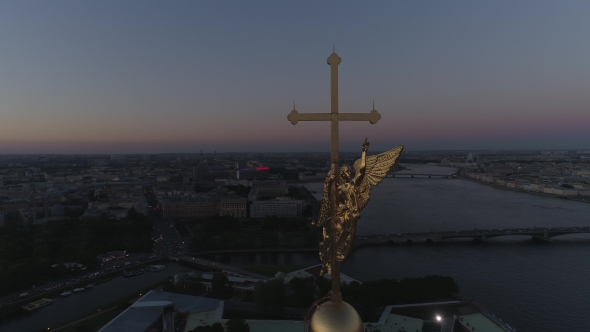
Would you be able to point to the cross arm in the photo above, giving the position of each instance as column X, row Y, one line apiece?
column 372, row 116
column 295, row 117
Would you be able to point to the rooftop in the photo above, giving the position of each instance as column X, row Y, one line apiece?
column 397, row 322
column 479, row 322
column 147, row 310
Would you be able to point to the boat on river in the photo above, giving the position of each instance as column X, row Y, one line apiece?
column 156, row 268
column 133, row 273
column 78, row 290
column 37, row 304
column 65, row 294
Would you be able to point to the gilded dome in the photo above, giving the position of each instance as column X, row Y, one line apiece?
column 331, row 318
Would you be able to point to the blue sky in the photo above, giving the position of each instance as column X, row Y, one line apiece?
column 148, row 76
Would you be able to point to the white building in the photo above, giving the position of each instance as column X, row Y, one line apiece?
column 276, row 207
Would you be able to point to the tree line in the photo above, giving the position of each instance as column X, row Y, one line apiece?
column 273, row 296
column 224, row 232
column 26, row 256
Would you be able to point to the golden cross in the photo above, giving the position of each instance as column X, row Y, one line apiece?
column 334, row 117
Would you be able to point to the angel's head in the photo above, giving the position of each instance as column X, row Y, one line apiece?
column 345, row 173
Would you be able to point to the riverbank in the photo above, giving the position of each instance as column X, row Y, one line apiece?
column 524, row 191
column 253, row 251
column 96, row 279
column 81, row 305
column 271, row 270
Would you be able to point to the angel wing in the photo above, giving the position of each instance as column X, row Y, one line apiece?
column 377, row 167
column 325, row 212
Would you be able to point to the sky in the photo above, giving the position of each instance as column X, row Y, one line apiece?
column 156, row 76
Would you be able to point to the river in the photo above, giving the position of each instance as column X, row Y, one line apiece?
column 532, row 286
column 65, row 310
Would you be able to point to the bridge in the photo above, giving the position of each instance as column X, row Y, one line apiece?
column 216, row 266
column 423, row 175
column 543, row 234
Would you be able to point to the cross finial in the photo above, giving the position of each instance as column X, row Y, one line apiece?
column 334, row 117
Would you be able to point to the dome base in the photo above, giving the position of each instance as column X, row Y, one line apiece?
column 341, row 317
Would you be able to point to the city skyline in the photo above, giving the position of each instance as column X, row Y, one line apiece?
column 156, row 78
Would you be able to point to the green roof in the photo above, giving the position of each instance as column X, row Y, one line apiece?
column 207, row 317
column 275, row 325
column 395, row 323
column 480, row 322
column 200, row 318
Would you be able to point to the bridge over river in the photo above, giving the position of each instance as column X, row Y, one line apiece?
column 543, row 234
column 215, row 266
column 402, row 174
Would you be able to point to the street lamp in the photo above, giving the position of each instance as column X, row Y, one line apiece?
column 438, row 318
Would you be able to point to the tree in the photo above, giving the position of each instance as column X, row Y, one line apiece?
column 220, row 284
column 237, row 325
column 295, row 193
column 216, row 327
column 307, row 211
column 270, row 296
column 323, row 286
column 261, row 294
column 302, row 292
column 270, row 223
column 277, row 300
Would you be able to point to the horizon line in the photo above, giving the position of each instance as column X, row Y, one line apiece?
column 246, row 152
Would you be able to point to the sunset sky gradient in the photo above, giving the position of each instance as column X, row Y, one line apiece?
column 154, row 76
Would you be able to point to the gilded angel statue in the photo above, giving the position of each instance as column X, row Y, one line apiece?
column 352, row 196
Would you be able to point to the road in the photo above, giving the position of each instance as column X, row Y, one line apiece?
column 64, row 310
column 166, row 237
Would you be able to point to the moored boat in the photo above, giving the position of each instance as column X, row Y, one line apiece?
column 155, row 268
column 133, row 273
column 37, row 304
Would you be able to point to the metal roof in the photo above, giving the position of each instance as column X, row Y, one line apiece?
column 181, row 302
column 148, row 309
column 480, row 322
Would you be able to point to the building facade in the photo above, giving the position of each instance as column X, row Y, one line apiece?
column 183, row 208
column 233, row 206
column 276, row 207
